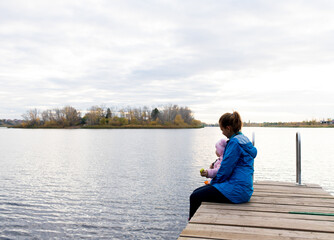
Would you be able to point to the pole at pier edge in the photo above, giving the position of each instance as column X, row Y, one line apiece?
column 298, row 159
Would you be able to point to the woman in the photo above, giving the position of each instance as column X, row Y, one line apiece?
column 234, row 180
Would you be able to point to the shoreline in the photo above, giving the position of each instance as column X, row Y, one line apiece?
column 291, row 126
column 166, row 127
column 111, row 127
column 281, row 126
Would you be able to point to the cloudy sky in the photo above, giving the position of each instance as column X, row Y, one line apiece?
column 269, row 60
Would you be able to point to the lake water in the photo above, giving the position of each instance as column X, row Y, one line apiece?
column 130, row 183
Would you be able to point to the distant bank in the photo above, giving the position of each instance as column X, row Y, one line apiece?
column 291, row 124
column 106, row 127
column 304, row 124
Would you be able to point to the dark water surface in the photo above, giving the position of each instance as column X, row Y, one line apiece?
column 129, row 184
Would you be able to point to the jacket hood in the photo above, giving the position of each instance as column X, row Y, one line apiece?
column 246, row 145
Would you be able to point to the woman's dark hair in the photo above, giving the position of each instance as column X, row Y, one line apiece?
column 231, row 119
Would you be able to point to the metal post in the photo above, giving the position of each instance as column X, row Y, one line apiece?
column 298, row 159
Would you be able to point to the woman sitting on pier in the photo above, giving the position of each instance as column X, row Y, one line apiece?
column 234, row 180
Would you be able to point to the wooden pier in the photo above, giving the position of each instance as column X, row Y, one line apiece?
column 277, row 210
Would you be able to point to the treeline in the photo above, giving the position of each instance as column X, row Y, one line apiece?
column 99, row 116
column 312, row 123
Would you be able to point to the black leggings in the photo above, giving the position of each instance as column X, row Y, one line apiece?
column 206, row 193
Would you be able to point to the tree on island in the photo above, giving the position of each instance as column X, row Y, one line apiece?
column 155, row 114
column 108, row 116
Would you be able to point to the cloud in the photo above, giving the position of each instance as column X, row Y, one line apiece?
column 271, row 60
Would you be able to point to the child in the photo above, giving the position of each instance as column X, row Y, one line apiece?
column 214, row 167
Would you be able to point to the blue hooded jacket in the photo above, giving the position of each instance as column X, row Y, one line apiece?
column 234, row 178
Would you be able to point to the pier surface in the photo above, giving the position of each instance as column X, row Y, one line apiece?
column 277, row 210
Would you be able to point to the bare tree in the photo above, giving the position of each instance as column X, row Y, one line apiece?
column 146, row 114
column 31, row 117
column 46, row 116
column 72, row 116
column 186, row 114
column 94, row 115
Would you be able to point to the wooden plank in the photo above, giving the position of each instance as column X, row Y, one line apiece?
column 286, row 189
column 195, row 238
column 295, row 201
column 199, row 231
column 296, row 195
column 264, row 222
column 269, row 207
column 285, row 185
column 274, row 183
column 280, row 215
column 298, row 191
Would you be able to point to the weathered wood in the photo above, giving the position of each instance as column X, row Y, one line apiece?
column 263, row 207
column 295, row 201
column 289, row 189
column 264, row 222
column 273, row 183
column 194, row 238
column 295, row 195
column 279, row 215
column 268, row 215
column 203, row 231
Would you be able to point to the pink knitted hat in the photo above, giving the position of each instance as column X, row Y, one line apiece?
column 220, row 146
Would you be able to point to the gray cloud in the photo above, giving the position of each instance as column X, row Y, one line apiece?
column 253, row 56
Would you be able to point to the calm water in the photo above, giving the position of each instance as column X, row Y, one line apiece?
column 130, row 184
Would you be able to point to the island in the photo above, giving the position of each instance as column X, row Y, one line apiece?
column 167, row 116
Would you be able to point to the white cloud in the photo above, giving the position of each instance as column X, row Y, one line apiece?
column 270, row 60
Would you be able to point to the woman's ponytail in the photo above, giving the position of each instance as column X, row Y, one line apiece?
column 231, row 119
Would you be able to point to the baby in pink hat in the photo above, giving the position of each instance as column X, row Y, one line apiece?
column 214, row 167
